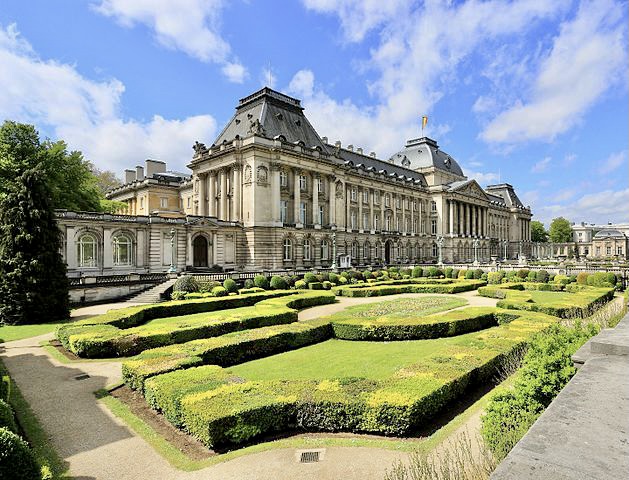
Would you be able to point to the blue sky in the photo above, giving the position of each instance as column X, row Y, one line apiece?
column 532, row 92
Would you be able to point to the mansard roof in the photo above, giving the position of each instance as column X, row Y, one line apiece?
column 271, row 114
column 506, row 193
column 609, row 233
column 424, row 152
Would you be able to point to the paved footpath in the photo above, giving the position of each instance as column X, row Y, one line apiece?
column 97, row 445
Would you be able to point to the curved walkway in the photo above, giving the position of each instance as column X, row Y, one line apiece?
column 97, row 445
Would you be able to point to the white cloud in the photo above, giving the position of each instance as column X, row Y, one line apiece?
column 599, row 207
column 191, row 26
column 541, row 166
column 587, row 58
column 569, row 159
column 564, row 195
column 86, row 113
column 416, row 61
column 614, row 161
column 483, row 178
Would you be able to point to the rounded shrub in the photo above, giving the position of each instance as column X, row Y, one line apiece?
column 261, row 281
column 178, row 295
column 327, row 285
column 532, row 276
column 343, row 281
column 367, row 275
column 249, row 283
column 455, row 273
column 310, row 277
column 494, row 278
column 417, row 272
column 462, row 273
column 483, row 277
column 561, row 279
column 301, row 285
column 542, row 276
column 186, row 284
column 478, row 274
column 432, row 272
column 448, row 272
column 324, row 277
column 219, row 292
column 7, row 419
column 582, row 278
column 334, row 278
column 16, row 459
column 600, row 279
column 523, row 273
column 278, row 283
column 230, row 285
column 469, row 274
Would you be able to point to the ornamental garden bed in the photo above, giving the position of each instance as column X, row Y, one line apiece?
column 407, row 286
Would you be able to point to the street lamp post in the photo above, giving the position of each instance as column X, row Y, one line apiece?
column 505, row 244
column 476, row 244
column 334, row 248
column 173, row 268
column 440, row 242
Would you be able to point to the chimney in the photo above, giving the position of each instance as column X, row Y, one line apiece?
column 359, row 150
column 324, row 139
column 139, row 173
column 350, row 148
column 154, row 166
column 337, row 144
column 129, row 176
column 372, row 154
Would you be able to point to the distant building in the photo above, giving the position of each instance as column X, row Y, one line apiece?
column 270, row 193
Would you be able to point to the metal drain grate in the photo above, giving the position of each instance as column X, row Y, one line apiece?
column 309, row 457
column 82, row 376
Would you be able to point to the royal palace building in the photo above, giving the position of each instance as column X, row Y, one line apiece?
column 270, row 193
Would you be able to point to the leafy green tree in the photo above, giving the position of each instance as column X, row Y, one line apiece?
column 538, row 232
column 33, row 282
column 560, row 230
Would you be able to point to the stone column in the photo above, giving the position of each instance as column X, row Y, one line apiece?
column 421, row 216
column 348, row 207
column 451, row 209
column 360, row 210
column 107, row 249
column 394, row 207
column 212, row 194
column 371, row 226
column 236, row 196
column 275, row 193
column 297, row 199
column 332, row 201
column 202, row 194
column 315, row 203
column 381, row 226
column 460, row 218
column 403, row 200
column 223, row 197
column 189, row 252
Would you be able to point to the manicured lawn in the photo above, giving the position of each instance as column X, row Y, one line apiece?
column 342, row 358
column 402, row 308
column 550, row 297
column 9, row 333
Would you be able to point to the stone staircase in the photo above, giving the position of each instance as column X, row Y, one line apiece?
column 153, row 294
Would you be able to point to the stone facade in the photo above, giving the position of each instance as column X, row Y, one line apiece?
column 286, row 198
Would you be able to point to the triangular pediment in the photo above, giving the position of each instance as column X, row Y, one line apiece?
column 201, row 221
column 470, row 188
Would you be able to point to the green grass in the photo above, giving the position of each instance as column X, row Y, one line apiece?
column 34, row 432
column 9, row 333
column 402, row 308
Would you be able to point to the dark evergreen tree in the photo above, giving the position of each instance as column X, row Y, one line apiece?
column 33, row 282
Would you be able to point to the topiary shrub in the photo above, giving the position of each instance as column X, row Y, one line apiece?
column 324, row 276
column 261, row 281
column 432, row 272
column 601, row 279
column 177, row 295
column 310, row 277
column 206, row 287
column 561, row 279
column 542, row 276
column 523, row 273
column 417, row 272
column 367, row 275
column 582, row 278
column 448, row 272
column 327, row 285
column 219, row 292
column 229, row 285
column 469, row 274
column 7, row 420
column 478, row 273
column 186, row 284
column 315, row 286
column 343, row 281
column 532, row 276
column 462, row 273
column 334, row 278
column 301, row 285
column 278, row 283
column 249, row 283
column 455, row 273
column 16, row 459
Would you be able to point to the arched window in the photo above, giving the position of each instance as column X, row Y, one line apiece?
column 288, row 249
column 122, row 250
column 87, row 250
column 325, row 250
column 355, row 250
column 387, row 226
column 307, row 249
column 283, row 178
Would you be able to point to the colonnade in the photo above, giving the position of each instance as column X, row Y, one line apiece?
column 467, row 220
column 220, row 193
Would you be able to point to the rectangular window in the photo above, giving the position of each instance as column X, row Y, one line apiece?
column 353, row 221
column 376, row 222
column 387, row 200
column 163, row 202
column 302, row 212
column 609, row 250
column 319, row 185
column 598, row 251
column 353, row 194
column 433, row 227
column 399, row 202
column 321, row 212
column 283, row 179
column 365, row 221
column 303, row 184
column 388, row 223
column 283, row 211
column 141, row 202
column 619, row 251
column 433, row 206
column 188, row 202
column 324, row 250
column 365, row 196
column 307, row 250
column 376, row 197
column 398, row 224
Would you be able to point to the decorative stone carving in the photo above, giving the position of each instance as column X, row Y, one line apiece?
column 262, row 175
column 256, row 127
column 199, row 148
column 339, row 190
column 248, row 174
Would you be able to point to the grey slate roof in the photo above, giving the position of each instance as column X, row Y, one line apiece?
column 270, row 113
column 609, row 234
column 424, row 152
column 506, row 193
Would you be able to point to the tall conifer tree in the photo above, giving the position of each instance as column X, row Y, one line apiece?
column 33, row 282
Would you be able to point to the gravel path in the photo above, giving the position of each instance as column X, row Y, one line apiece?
column 97, row 445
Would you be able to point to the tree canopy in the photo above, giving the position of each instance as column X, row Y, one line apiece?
column 538, row 232
column 560, row 230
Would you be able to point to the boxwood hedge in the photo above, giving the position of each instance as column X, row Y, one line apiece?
column 106, row 338
column 408, row 286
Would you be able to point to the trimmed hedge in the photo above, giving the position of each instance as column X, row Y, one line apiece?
column 239, row 410
column 16, row 459
column 7, row 420
column 438, row 325
column 104, row 337
column 407, row 286
column 230, row 349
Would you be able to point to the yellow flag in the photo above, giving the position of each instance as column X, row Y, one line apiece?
column 424, row 121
